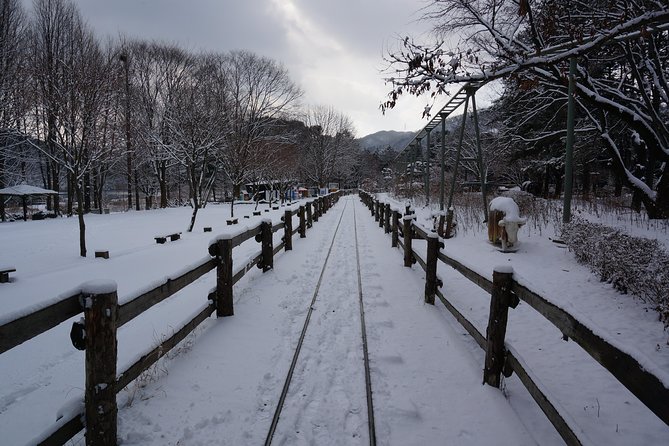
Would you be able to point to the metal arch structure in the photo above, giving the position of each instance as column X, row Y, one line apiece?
column 464, row 95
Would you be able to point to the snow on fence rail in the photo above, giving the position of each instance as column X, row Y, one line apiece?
column 103, row 316
column 506, row 293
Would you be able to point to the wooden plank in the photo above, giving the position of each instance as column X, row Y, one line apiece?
column 561, row 426
column 278, row 226
column 20, row 330
column 242, row 272
column 419, row 232
column 484, row 283
column 130, row 310
column 154, row 355
column 278, row 248
column 419, row 259
column 627, row 370
column 63, row 431
column 473, row 332
column 244, row 236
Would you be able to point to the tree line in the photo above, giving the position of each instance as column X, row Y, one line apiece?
column 77, row 113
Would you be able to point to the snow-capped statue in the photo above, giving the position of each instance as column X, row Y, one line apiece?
column 503, row 222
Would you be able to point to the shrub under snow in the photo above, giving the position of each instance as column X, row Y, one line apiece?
column 634, row 265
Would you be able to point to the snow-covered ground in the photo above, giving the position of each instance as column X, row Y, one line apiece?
column 222, row 383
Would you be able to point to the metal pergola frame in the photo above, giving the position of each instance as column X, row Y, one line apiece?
column 464, row 95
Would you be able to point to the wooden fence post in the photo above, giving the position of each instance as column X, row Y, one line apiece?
column 288, row 230
column 303, row 223
column 224, row 278
column 100, row 312
column 382, row 210
column 386, row 214
column 315, row 204
column 376, row 210
column 310, row 219
column 431, row 271
column 267, row 245
column 408, row 235
column 449, row 223
column 501, row 299
column 396, row 223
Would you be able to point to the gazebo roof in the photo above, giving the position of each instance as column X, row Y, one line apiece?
column 25, row 189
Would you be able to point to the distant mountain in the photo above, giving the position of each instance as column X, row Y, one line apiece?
column 386, row 138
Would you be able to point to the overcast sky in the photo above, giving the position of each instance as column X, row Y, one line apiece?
column 332, row 48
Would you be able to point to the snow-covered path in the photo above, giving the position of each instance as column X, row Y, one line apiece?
column 224, row 385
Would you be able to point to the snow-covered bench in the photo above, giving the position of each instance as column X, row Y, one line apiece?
column 163, row 238
column 4, row 273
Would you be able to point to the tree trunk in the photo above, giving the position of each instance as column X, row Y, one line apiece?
column 660, row 208
column 82, row 224
column 192, row 218
column 546, row 182
column 96, row 202
column 87, row 193
column 195, row 201
column 137, row 206
column 585, row 180
column 558, row 184
column 48, row 185
column 162, row 181
column 70, row 195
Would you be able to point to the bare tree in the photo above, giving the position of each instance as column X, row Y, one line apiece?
column 194, row 123
column 259, row 92
column 329, row 144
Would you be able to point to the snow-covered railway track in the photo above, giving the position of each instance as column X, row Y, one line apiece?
column 324, row 381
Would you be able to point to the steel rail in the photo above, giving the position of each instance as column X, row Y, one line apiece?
column 363, row 329
column 289, row 377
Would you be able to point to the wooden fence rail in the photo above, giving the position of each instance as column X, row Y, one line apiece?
column 103, row 316
column 501, row 358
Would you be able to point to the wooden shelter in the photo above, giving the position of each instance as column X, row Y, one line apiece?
column 24, row 191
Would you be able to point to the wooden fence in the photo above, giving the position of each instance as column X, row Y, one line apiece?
column 506, row 293
column 103, row 316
